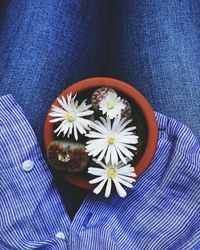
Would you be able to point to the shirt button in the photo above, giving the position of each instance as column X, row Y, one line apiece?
column 60, row 235
column 27, row 165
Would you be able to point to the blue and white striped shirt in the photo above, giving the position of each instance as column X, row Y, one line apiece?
column 162, row 211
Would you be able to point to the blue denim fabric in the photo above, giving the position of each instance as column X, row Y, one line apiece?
column 155, row 45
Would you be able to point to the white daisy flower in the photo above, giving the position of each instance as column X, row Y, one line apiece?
column 70, row 114
column 112, row 140
column 111, row 105
column 117, row 174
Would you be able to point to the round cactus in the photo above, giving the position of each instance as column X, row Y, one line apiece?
column 126, row 112
column 67, row 155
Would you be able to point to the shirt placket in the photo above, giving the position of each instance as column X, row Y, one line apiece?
column 81, row 219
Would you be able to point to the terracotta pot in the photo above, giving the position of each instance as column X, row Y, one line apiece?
column 143, row 116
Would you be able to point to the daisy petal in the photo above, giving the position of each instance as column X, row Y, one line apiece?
column 108, row 188
column 108, row 154
column 119, row 188
column 57, row 119
column 56, row 114
column 75, row 132
column 100, row 163
column 114, row 157
column 98, row 189
column 121, row 157
column 60, row 126
column 102, row 154
column 125, row 183
column 127, row 179
column 96, row 171
column 125, row 151
column 125, row 171
column 96, row 180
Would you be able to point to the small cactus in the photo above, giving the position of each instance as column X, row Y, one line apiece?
column 127, row 111
column 67, row 155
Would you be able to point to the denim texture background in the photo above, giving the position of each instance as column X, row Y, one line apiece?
column 45, row 45
column 155, row 46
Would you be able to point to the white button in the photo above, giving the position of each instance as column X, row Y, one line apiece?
column 27, row 165
column 60, row 235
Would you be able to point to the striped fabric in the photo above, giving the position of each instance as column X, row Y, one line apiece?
column 162, row 211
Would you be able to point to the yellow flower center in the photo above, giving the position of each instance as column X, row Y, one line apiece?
column 111, row 105
column 111, row 139
column 70, row 117
column 112, row 173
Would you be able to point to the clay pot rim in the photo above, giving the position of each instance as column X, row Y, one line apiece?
column 139, row 99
